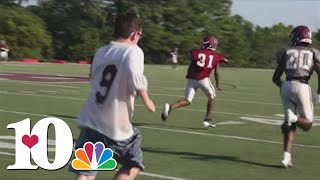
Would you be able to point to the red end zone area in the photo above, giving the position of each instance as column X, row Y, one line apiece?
column 42, row 78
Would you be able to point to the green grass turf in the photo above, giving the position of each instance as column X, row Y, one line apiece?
column 180, row 147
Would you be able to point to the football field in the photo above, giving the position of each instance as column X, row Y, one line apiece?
column 245, row 145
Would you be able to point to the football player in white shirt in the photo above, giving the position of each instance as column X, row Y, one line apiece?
column 117, row 77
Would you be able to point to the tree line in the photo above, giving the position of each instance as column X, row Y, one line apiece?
column 73, row 30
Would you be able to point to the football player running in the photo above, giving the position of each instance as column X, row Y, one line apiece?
column 297, row 61
column 117, row 78
column 203, row 61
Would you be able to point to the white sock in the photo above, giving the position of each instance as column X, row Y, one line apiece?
column 286, row 155
column 295, row 118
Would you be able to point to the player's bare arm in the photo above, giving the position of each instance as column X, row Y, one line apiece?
column 277, row 76
column 148, row 103
column 217, row 77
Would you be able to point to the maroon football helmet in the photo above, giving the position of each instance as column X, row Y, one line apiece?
column 209, row 42
column 300, row 34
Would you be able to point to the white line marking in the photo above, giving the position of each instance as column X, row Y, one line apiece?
column 24, row 113
column 158, row 88
column 140, row 105
column 182, row 131
column 6, row 153
column 28, row 92
column 42, row 84
column 228, row 100
column 160, row 176
column 263, row 120
column 24, row 65
column 223, row 136
column 140, row 173
column 47, row 91
column 72, row 91
column 229, row 123
column 316, row 118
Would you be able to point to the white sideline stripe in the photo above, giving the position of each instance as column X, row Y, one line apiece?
column 28, row 92
column 41, row 90
column 24, row 65
column 228, row 100
column 50, row 141
column 41, row 84
column 159, row 87
column 182, row 131
column 24, row 113
column 141, row 173
column 224, row 136
column 218, row 92
column 82, row 99
column 170, row 95
column 160, row 176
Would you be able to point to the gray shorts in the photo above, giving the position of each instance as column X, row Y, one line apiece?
column 297, row 97
column 127, row 152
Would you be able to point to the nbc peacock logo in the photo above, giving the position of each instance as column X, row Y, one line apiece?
column 94, row 157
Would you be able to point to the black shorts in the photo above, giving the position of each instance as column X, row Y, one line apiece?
column 127, row 152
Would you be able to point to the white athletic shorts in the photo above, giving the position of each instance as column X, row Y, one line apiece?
column 3, row 55
column 204, row 84
column 297, row 97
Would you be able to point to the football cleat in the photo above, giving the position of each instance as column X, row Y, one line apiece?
column 208, row 123
column 166, row 111
column 286, row 163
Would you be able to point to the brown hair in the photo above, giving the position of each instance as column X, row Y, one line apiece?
column 125, row 24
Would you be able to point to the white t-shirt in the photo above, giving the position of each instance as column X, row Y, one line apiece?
column 117, row 73
column 174, row 58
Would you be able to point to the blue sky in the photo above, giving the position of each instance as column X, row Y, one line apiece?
column 270, row 12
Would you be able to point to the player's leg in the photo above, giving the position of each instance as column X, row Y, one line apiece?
column 129, row 154
column 190, row 90
column 210, row 107
column 127, row 173
column 287, row 128
column 86, row 135
column 208, row 89
column 85, row 177
column 288, row 139
column 305, row 107
column 288, row 135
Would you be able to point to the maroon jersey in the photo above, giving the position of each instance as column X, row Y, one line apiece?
column 203, row 61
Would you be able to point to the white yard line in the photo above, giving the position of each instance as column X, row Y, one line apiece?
column 220, row 99
column 157, row 87
column 183, row 131
column 48, row 91
column 140, row 105
column 224, row 136
column 82, row 99
column 166, row 95
column 141, row 173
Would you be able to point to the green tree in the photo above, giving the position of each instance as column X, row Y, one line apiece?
column 13, row 2
column 170, row 23
column 78, row 27
column 25, row 33
column 266, row 42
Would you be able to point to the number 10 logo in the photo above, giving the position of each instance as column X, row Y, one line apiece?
column 36, row 144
